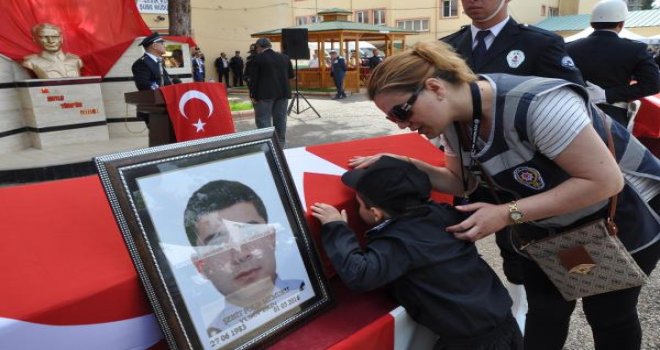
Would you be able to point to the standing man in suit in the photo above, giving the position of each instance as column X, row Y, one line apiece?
column 495, row 43
column 149, row 71
column 375, row 59
column 338, row 73
column 222, row 67
column 252, row 53
column 236, row 64
column 270, row 91
column 199, row 70
column 611, row 62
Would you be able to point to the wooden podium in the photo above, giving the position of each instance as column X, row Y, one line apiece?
column 152, row 105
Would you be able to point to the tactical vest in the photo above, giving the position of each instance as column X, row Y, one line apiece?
column 520, row 171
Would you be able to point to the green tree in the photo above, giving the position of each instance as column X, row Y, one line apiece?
column 179, row 17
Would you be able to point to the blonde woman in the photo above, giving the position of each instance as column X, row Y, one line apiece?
column 544, row 147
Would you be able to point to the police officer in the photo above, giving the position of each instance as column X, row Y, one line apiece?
column 495, row 43
column 611, row 62
column 149, row 70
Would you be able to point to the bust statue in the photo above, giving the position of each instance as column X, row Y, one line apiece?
column 52, row 62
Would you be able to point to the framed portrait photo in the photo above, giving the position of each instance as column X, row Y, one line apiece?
column 217, row 236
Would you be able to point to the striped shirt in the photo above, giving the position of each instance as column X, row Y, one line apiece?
column 551, row 135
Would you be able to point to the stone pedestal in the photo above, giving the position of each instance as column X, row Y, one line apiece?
column 63, row 111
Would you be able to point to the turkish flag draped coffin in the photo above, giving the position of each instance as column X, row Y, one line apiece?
column 97, row 31
column 198, row 110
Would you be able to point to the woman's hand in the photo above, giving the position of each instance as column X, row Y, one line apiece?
column 485, row 219
column 326, row 213
column 361, row 162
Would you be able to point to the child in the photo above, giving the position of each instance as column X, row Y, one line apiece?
column 441, row 281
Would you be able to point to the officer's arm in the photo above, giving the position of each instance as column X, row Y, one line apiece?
column 647, row 77
column 556, row 63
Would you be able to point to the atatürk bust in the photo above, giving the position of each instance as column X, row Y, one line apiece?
column 52, row 62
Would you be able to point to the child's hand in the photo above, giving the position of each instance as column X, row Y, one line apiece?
column 326, row 213
column 362, row 162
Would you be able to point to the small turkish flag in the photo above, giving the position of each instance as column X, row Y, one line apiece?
column 198, row 110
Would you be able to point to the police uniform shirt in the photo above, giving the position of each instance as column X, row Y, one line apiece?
column 146, row 72
column 488, row 40
column 518, row 49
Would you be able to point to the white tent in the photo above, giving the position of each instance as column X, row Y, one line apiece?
column 625, row 33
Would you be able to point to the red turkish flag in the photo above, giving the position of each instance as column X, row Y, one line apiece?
column 97, row 31
column 198, row 110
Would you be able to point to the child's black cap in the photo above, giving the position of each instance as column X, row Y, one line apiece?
column 391, row 184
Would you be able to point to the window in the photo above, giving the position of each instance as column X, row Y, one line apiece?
column 543, row 10
column 449, row 8
column 362, row 16
column 314, row 19
column 301, row 20
column 379, row 17
column 553, row 11
column 415, row 25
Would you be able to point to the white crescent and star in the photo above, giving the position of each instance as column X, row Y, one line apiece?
column 191, row 95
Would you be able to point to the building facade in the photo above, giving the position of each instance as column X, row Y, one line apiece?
column 226, row 25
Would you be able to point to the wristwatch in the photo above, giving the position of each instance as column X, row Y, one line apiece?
column 515, row 214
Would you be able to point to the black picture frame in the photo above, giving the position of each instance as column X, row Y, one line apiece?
column 176, row 258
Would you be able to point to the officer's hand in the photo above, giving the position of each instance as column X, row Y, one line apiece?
column 596, row 93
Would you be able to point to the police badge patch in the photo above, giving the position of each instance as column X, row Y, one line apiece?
column 529, row 177
column 515, row 58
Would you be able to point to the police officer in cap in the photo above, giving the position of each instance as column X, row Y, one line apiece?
column 609, row 63
column 495, row 43
column 149, row 70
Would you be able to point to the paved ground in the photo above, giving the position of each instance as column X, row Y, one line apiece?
column 356, row 118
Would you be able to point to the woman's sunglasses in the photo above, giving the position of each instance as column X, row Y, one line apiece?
column 401, row 113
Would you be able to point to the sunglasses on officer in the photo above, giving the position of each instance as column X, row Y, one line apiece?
column 402, row 112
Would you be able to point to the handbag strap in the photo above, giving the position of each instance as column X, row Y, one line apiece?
column 613, row 200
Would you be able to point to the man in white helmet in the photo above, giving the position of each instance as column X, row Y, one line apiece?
column 611, row 63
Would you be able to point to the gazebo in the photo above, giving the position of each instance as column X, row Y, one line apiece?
column 336, row 28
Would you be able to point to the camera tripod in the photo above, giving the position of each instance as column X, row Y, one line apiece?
column 297, row 95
